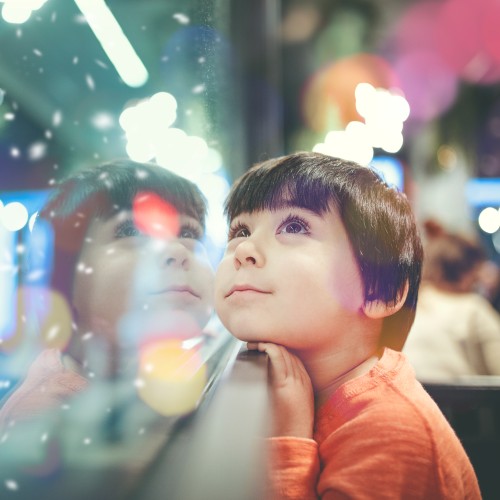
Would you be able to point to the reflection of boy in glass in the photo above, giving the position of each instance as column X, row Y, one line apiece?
column 112, row 265
column 321, row 272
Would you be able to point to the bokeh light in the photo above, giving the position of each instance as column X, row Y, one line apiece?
column 390, row 169
column 171, row 379
column 154, row 216
column 48, row 309
column 329, row 96
column 350, row 144
column 18, row 12
column 489, row 220
column 14, row 216
column 384, row 114
column 468, row 39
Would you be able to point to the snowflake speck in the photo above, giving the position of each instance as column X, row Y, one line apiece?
column 14, row 152
column 53, row 332
column 57, row 118
column 37, row 151
column 201, row 60
column 12, row 485
column 90, row 82
column 141, row 174
column 53, row 17
column 101, row 64
column 9, row 116
column 87, row 441
column 181, row 18
column 198, row 89
column 75, row 60
column 37, row 52
column 48, row 134
column 19, row 33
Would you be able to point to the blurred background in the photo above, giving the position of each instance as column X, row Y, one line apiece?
column 237, row 82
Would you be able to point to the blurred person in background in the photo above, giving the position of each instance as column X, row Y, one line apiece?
column 489, row 283
column 130, row 265
column 456, row 331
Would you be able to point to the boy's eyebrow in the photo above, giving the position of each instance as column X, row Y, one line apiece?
column 292, row 205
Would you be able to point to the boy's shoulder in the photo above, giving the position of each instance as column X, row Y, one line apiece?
column 394, row 429
column 389, row 401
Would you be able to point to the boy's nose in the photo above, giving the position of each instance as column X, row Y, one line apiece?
column 246, row 254
column 175, row 255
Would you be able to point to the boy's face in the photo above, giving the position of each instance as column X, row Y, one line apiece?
column 289, row 277
column 123, row 271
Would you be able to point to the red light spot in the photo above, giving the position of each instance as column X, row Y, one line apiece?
column 154, row 216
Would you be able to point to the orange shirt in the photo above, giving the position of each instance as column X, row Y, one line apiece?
column 378, row 436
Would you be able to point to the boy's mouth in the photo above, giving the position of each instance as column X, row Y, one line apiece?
column 180, row 289
column 245, row 288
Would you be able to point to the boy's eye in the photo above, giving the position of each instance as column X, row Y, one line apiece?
column 191, row 232
column 293, row 225
column 126, row 229
column 239, row 230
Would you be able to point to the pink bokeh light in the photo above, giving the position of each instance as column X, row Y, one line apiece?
column 429, row 87
column 468, row 39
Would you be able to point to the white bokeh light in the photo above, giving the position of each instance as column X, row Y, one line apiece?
column 103, row 120
column 150, row 136
column 489, row 220
column 14, row 216
column 19, row 11
column 350, row 144
column 384, row 114
column 32, row 220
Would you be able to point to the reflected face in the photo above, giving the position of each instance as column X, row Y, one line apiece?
column 121, row 270
column 290, row 277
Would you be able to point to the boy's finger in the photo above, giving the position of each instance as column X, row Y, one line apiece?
column 279, row 366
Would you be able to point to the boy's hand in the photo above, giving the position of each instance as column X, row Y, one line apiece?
column 291, row 392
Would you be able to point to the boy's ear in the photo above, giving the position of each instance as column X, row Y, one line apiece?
column 378, row 309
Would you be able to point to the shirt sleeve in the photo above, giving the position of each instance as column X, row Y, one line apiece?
column 294, row 468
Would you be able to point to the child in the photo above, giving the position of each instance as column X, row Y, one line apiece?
column 127, row 259
column 321, row 272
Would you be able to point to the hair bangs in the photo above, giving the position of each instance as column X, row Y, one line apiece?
column 278, row 186
column 122, row 181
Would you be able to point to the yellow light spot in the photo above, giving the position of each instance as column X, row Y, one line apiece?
column 172, row 378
